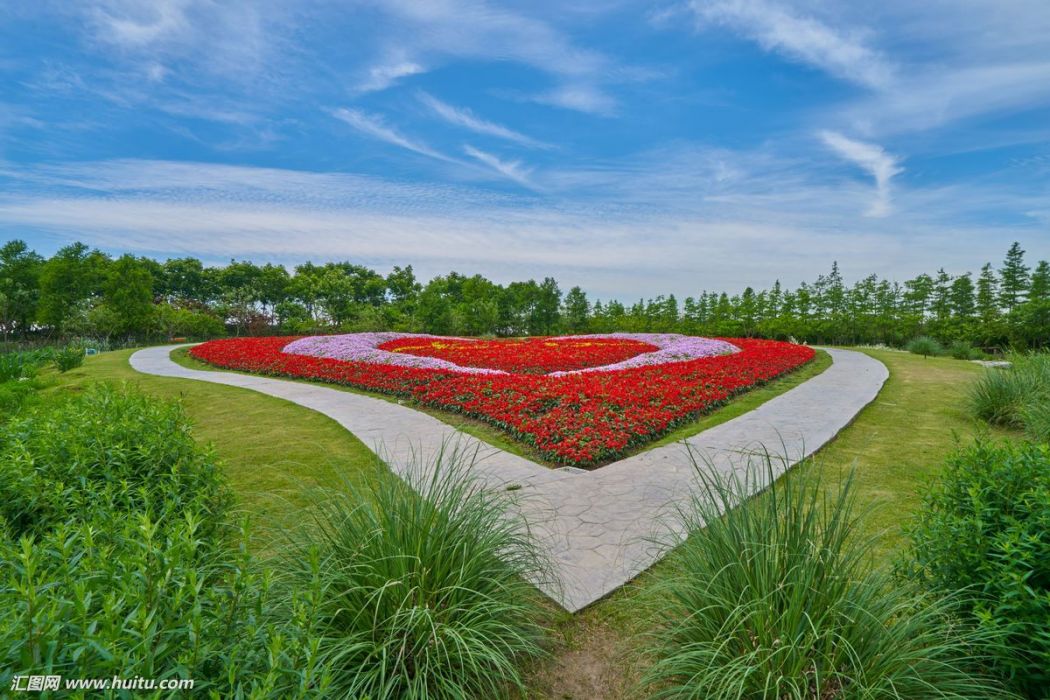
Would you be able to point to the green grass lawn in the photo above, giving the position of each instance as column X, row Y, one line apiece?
column 273, row 450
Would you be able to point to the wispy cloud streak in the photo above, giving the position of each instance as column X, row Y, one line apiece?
column 375, row 126
column 463, row 117
column 805, row 39
column 874, row 159
column 512, row 170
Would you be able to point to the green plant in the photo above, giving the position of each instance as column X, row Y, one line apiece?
column 424, row 596
column 1017, row 396
column 775, row 599
column 985, row 528
column 20, row 365
column 925, row 345
column 963, row 350
column 115, row 558
column 69, row 357
column 109, row 451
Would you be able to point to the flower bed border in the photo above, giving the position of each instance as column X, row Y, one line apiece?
column 584, row 419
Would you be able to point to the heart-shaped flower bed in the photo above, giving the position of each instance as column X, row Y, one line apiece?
column 523, row 355
column 580, row 401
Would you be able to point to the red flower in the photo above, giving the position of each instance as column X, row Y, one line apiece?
column 581, row 419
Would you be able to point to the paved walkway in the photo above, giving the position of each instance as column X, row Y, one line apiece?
column 604, row 527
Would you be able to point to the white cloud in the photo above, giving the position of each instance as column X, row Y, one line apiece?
column 805, row 39
column 134, row 25
column 435, row 31
column 512, row 170
column 744, row 228
column 382, row 75
column 942, row 95
column 376, row 127
column 874, row 159
column 465, row 118
column 579, row 97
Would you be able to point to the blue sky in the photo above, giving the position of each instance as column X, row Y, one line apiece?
column 632, row 148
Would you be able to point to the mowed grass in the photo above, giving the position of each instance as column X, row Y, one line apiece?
column 485, row 432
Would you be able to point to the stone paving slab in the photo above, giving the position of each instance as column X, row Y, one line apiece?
column 603, row 527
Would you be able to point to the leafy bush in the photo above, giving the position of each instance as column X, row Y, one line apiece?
column 962, row 350
column 1016, row 397
column 985, row 528
column 69, row 357
column 107, row 452
column 776, row 599
column 115, row 559
column 20, row 365
column 423, row 596
column 924, row 345
column 14, row 394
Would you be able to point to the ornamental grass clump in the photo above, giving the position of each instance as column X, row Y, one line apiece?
column 776, row 599
column 925, row 345
column 423, row 596
column 1017, row 396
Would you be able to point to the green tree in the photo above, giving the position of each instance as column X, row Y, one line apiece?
column 576, row 310
column 186, row 282
column 1014, row 278
column 987, row 294
column 19, row 287
column 546, row 311
column 128, row 295
column 1039, row 290
column 68, row 280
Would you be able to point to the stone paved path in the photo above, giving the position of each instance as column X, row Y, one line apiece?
column 601, row 528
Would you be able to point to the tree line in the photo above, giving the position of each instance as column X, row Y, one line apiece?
column 81, row 292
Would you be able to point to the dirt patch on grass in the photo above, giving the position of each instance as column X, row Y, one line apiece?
column 589, row 661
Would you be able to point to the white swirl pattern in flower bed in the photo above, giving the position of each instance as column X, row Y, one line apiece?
column 364, row 347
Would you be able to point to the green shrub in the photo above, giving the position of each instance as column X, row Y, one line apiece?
column 20, row 365
column 924, row 345
column 985, row 528
column 115, row 559
column 14, row 394
column 109, row 451
column 69, row 357
column 962, row 350
column 423, row 596
column 1017, row 396
column 776, row 599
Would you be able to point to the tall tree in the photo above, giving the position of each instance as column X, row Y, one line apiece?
column 1014, row 283
column 575, row 310
column 68, row 280
column 546, row 312
column 19, row 287
column 987, row 294
column 127, row 293
column 1039, row 290
column 961, row 298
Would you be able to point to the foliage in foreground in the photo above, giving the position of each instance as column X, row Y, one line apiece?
column 1016, row 397
column 115, row 559
column 421, row 597
column 985, row 527
column 777, row 599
